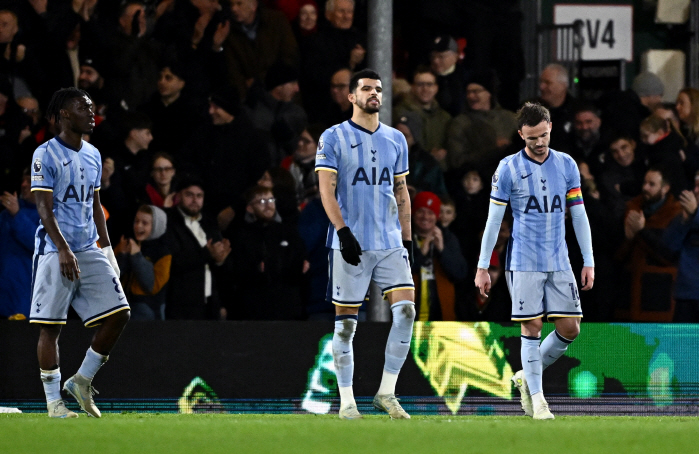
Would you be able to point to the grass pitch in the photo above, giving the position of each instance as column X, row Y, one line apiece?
column 204, row 434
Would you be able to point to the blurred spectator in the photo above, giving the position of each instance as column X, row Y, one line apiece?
column 306, row 22
column 553, row 86
column 479, row 136
column 259, row 37
column 144, row 261
column 447, row 212
column 421, row 100
column 665, row 150
column 18, row 61
column 302, row 164
column 269, row 262
column 125, row 170
column 438, row 261
column 174, row 114
column 668, row 112
column 621, row 177
column 586, row 143
column 160, row 189
column 471, row 199
column 313, row 229
column 451, row 74
column 199, row 256
column 19, row 220
column 34, row 132
column 273, row 112
column 10, row 130
column 134, row 56
column 337, row 45
column 622, row 112
column 339, row 108
column 91, row 79
column 682, row 236
column 648, row 260
column 688, row 112
column 227, row 153
column 425, row 172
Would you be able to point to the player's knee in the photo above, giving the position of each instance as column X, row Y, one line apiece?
column 345, row 329
column 569, row 332
column 403, row 313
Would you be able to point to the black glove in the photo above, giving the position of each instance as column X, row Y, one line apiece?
column 349, row 246
column 408, row 244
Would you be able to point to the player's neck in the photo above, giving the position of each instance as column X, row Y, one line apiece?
column 537, row 158
column 370, row 122
column 72, row 138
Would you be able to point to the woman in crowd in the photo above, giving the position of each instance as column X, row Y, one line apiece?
column 145, row 261
column 688, row 110
column 160, row 190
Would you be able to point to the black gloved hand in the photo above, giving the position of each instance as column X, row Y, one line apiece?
column 408, row 244
column 349, row 246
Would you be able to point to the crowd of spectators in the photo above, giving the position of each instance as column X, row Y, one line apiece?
column 208, row 117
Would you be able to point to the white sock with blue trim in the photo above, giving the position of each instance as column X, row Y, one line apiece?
column 531, row 363
column 91, row 364
column 343, row 356
column 398, row 344
column 52, row 384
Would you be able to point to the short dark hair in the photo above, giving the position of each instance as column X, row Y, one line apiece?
column 254, row 191
column 164, row 155
column 422, row 69
column 587, row 107
column 136, row 120
column 531, row 114
column 663, row 174
column 59, row 100
column 363, row 74
column 189, row 181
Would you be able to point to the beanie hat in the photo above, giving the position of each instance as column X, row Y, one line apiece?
column 429, row 200
column 159, row 223
column 279, row 74
column 414, row 122
column 227, row 98
column 486, row 79
column 444, row 42
column 648, row 84
column 95, row 63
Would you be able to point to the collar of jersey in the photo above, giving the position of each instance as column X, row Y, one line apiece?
column 58, row 139
column 526, row 156
column 355, row 125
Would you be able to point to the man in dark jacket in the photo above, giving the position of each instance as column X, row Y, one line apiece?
column 198, row 257
column 227, row 153
column 269, row 263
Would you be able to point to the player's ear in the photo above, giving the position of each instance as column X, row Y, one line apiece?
column 519, row 131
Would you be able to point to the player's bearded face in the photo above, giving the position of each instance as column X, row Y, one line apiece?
column 369, row 95
column 537, row 138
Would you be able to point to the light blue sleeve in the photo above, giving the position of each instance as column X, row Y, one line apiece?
column 326, row 155
column 401, row 167
column 581, row 225
column 43, row 169
column 490, row 235
column 572, row 174
column 98, row 181
column 501, row 184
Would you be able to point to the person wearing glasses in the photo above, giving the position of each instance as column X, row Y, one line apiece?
column 160, row 189
column 269, row 263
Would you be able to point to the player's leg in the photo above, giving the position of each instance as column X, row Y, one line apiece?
column 51, row 294
column 392, row 274
column 343, row 359
column 563, row 307
column 347, row 287
column 527, row 292
column 99, row 301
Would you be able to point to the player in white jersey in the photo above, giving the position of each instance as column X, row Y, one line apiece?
column 539, row 183
column 361, row 167
column 69, row 269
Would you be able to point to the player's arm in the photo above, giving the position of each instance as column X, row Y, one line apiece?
column 66, row 258
column 400, row 191
column 581, row 226
column 490, row 236
column 349, row 246
column 327, row 184
column 101, row 224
